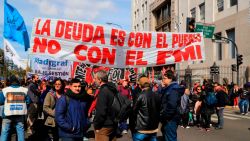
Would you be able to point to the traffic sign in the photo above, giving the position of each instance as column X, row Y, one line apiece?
column 208, row 30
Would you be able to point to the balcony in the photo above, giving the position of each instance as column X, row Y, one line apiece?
column 162, row 22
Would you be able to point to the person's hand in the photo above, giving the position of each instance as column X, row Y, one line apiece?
column 97, row 131
column 73, row 129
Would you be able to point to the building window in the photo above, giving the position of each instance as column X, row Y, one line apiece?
column 193, row 12
column 138, row 13
column 233, row 2
column 219, row 48
column 166, row 12
column 135, row 14
column 135, row 28
column 202, row 11
column 231, row 35
column 146, row 24
column 142, row 8
column 220, row 4
column 146, row 5
column 142, row 23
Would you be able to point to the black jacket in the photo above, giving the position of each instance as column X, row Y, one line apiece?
column 104, row 117
column 147, row 110
column 221, row 99
column 33, row 92
column 170, row 102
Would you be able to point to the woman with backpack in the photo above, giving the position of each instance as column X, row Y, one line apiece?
column 207, row 106
column 49, row 107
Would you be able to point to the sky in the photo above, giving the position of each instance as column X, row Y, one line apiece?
column 95, row 11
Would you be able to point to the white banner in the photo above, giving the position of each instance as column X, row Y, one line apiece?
column 11, row 55
column 49, row 68
column 104, row 46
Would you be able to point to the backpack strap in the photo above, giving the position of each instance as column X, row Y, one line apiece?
column 67, row 102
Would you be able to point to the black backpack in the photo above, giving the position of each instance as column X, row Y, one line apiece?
column 121, row 107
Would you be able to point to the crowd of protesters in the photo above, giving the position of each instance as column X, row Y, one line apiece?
column 63, row 110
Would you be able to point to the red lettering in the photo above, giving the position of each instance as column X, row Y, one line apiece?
column 107, row 55
column 46, row 28
column 186, row 54
column 37, row 25
column 91, row 57
column 161, row 57
column 68, row 30
column 87, row 33
column 175, row 39
column 198, row 52
column 130, row 57
column 77, row 32
column 159, row 40
column 138, row 39
column 78, row 50
column 121, row 40
column 165, row 44
column 130, row 39
column 147, row 40
column 113, row 37
column 52, row 45
column 41, row 45
column 99, row 35
column 186, row 39
column 59, row 29
column 180, row 41
column 139, row 60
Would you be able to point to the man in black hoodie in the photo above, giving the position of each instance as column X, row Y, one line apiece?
column 104, row 124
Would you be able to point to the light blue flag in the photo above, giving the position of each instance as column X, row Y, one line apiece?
column 14, row 26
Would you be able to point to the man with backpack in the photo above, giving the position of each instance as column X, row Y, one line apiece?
column 70, row 113
column 147, row 112
column 104, row 121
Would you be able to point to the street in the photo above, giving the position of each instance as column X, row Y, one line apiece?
column 235, row 129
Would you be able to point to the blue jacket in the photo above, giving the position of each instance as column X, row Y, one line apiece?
column 171, row 100
column 70, row 116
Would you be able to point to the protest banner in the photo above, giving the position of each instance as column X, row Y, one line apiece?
column 86, row 72
column 51, row 68
column 111, row 47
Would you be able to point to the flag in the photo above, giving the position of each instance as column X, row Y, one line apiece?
column 11, row 55
column 14, row 26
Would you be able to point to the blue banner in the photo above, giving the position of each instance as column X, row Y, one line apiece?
column 14, row 26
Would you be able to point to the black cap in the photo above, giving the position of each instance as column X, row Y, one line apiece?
column 13, row 79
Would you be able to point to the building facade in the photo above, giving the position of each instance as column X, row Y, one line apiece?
column 140, row 15
column 230, row 18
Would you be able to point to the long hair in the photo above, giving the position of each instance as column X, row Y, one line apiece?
column 62, row 85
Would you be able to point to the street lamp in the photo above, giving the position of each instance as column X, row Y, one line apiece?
column 237, row 53
column 110, row 23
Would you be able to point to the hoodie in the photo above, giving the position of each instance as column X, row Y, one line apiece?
column 171, row 101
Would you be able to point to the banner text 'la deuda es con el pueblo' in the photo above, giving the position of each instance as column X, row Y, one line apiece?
column 105, row 46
